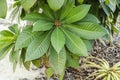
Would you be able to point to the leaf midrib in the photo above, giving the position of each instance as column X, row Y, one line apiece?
column 40, row 44
column 72, row 41
column 30, row 37
column 83, row 29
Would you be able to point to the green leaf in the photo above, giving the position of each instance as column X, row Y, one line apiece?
column 77, row 14
column 25, row 38
column 49, row 72
column 112, row 5
column 14, row 28
column 36, row 62
column 107, row 2
column 75, row 44
column 61, row 77
column 5, row 50
column 38, row 47
column 6, row 39
column 3, row 44
column 27, row 4
column 22, row 57
column 47, row 10
column 80, row 1
column 55, row 4
column 87, row 30
column 27, row 65
column 57, row 61
column 115, row 29
column 13, row 55
column 35, row 16
column 89, row 18
column 71, row 61
column 14, row 58
column 89, row 44
column 117, row 3
column 3, row 8
column 57, row 39
column 42, row 25
column 67, row 8
column 105, row 8
column 6, row 33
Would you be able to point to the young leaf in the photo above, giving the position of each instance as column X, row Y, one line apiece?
column 57, row 39
column 27, row 4
column 3, row 8
column 75, row 44
column 5, row 50
column 77, row 14
column 57, row 61
column 6, row 33
column 6, row 39
column 35, row 16
column 87, row 30
column 55, row 4
column 38, row 47
column 3, row 44
column 25, row 38
column 42, row 25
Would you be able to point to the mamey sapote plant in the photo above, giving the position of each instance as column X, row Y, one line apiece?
column 60, row 33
